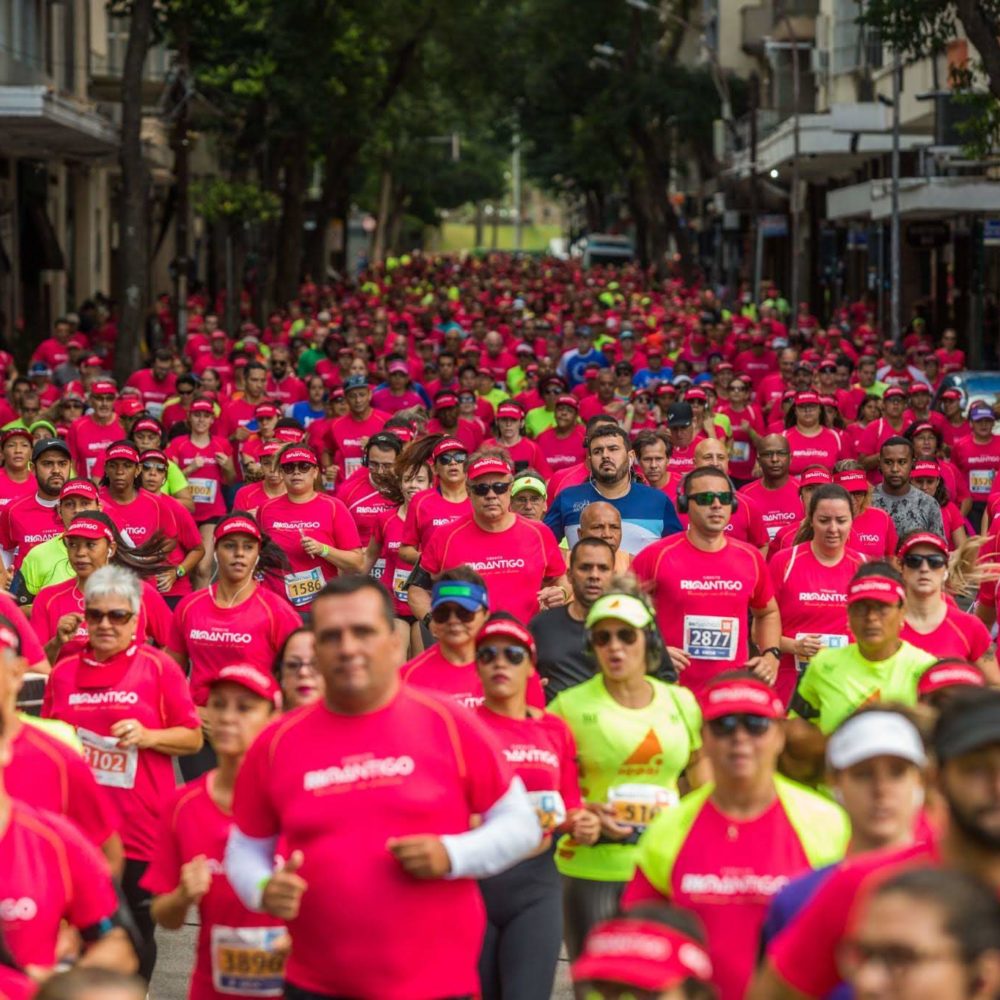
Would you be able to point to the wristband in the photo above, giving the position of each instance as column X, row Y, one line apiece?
column 326, row 552
column 180, row 571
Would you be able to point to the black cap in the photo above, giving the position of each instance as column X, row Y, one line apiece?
column 680, row 415
column 49, row 444
column 970, row 721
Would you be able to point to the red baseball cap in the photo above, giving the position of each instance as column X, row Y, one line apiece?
column 488, row 465
column 129, row 406
column 926, row 469
column 695, row 393
column 83, row 526
column 919, row 387
column 949, row 673
column 507, row 628
column 875, row 588
column 807, row 398
column 202, row 406
column 103, row 388
column 16, row 432
column 951, row 394
column 92, row 361
column 122, row 452
column 446, row 445
column 511, row 410
column 894, row 392
column 815, row 477
column 153, row 455
column 79, row 488
column 236, row 524
column 740, row 695
column 922, row 428
column 853, row 480
column 568, row 401
column 252, row 678
column 923, row 538
column 298, row 454
column 147, row 424
column 445, row 400
column 266, row 410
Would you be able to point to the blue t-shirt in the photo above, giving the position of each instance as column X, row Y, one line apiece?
column 647, row 514
column 572, row 364
column 644, row 376
column 305, row 414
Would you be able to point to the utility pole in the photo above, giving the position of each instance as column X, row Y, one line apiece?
column 795, row 206
column 894, row 268
column 757, row 244
column 181, row 146
column 516, row 185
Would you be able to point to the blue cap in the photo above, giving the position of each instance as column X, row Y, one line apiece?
column 470, row 596
column 981, row 411
column 355, row 382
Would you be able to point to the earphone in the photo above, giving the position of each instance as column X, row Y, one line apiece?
column 684, row 498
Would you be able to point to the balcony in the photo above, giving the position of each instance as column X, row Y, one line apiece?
column 106, row 67
column 779, row 21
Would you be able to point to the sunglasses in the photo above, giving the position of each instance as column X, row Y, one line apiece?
column 485, row 489
column 726, row 725
column 514, row 655
column 117, row 616
column 443, row 613
column 913, row 560
column 297, row 467
column 185, row 392
column 626, row 636
column 452, row 458
column 152, row 467
column 706, row 499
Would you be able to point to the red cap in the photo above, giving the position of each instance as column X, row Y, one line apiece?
column 644, row 954
column 568, row 401
column 266, row 410
column 221, row 334
column 79, row 488
column 875, row 588
column 807, row 398
column 147, row 424
column 153, row 455
column 724, row 366
column 926, row 469
column 271, row 448
column 511, row 410
column 695, row 394
column 444, row 400
column 923, row 538
column 288, row 435
column 853, row 480
column 741, row 696
column 445, row 445
column 203, row 406
column 815, row 477
column 894, row 392
column 488, row 465
column 398, row 366
column 236, row 524
column 130, row 407
column 923, row 428
column 122, row 452
column 508, row 629
column 88, row 527
column 103, row 388
column 949, row 673
column 252, row 678
column 16, row 432
column 951, row 394
column 919, row 387
column 92, row 361
column 298, row 454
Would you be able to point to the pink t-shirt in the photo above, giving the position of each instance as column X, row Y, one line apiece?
column 742, row 454
column 250, row 497
column 140, row 519
column 154, row 392
column 347, row 436
column 88, row 441
column 388, row 402
column 206, row 482
column 772, row 509
column 702, row 600
column 812, row 599
column 179, row 524
column 210, row 636
column 192, row 825
column 821, row 449
column 561, row 452
column 873, row 534
column 431, row 671
column 47, row 773
column 143, row 684
column 366, row 504
column 978, row 464
column 513, row 562
column 11, row 490
column 49, row 873
column 289, row 390
column 428, row 512
column 65, row 598
column 526, row 454
column 393, row 571
column 960, row 635
column 338, row 787
column 26, row 523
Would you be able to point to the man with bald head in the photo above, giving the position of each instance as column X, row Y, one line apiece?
column 602, row 520
column 773, row 500
column 712, row 453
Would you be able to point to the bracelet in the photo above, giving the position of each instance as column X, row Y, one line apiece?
column 566, row 594
column 326, row 552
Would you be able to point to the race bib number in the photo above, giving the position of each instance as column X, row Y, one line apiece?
column 378, row 569
column 829, row 640
column 550, row 808
column 772, row 530
column 91, row 463
column 113, row 766
column 244, row 961
column 981, row 480
column 155, row 410
column 637, row 805
column 400, row 575
column 204, row 490
column 740, row 452
column 300, row 588
column 351, row 465
column 710, row 637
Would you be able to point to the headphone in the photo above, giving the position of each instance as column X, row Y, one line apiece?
column 655, row 647
column 684, row 498
column 384, row 439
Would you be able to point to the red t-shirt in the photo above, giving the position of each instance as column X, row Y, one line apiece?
column 389, row 568
column 742, row 454
column 428, row 511
column 88, row 441
column 26, row 523
column 772, row 509
column 49, row 774
column 561, row 452
column 812, row 599
column 179, row 523
column 289, row 390
column 702, row 600
column 978, row 464
column 875, row 435
column 11, row 490
column 366, row 504
column 206, row 483
column 681, row 460
column 338, row 787
column 143, row 684
column 960, row 635
column 432, row 672
column 526, row 454
column 513, row 562
column 49, row 873
column 873, row 534
column 726, row 872
column 211, row 637
column 192, row 825
column 346, row 439
column 140, row 519
column 154, row 392
column 820, row 449
column 468, row 432
column 250, row 497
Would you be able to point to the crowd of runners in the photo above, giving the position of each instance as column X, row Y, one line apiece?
column 481, row 608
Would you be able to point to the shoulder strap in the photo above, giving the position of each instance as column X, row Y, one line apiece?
column 821, row 825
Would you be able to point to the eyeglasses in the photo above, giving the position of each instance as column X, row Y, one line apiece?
column 117, row 616
column 898, row 960
column 466, row 399
column 294, row 666
column 76, row 404
column 153, row 467
column 443, row 613
column 485, row 489
column 706, row 499
column 626, row 636
column 452, row 458
column 726, row 725
column 914, row 560
column 514, row 655
column 297, row 467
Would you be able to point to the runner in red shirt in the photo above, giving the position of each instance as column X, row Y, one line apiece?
column 712, row 453
column 773, row 499
column 810, row 582
column 683, row 438
column 520, row 560
column 446, row 421
column 810, row 441
column 873, row 532
column 562, row 445
column 238, row 952
column 16, row 480
column 956, row 426
column 704, row 585
column 90, row 435
column 135, row 512
column 416, row 768
column 891, row 424
column 748, row 429
column 978, row 458
column 347, row 435
column 131, row 709
column 315, row 531
column 156, row 384
column 363, row 493
column 524, row 453
column 251, row 496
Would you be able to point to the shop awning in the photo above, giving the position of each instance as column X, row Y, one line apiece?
column 919, row 198
column 37, row 122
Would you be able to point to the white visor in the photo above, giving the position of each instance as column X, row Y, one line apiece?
column 874, row 734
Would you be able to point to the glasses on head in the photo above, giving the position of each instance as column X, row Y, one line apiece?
column 297, row 467
column 514, row 655
column 726, row 725
column 708, row 497
column 444, row 612
column 452, row 458
column 485, row 489
column 153, row 467
column 934, row 560
column 117, row 616
column 294, row 666
column 602, row 636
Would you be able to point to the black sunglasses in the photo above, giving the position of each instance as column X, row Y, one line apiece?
column 708, row 497
column 514, row 655
column 602, row 636
column 726, row 725
column 443, row 612
column 485, row 489
column 297, row 466
column 936, row 560
column 117, row 616
column 452, row 458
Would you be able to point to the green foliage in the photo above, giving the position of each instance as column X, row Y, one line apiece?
column 233, row 201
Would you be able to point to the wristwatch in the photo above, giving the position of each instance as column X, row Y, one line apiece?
column 775, row 651
column 180, row 571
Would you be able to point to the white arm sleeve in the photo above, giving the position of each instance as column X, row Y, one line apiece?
column 509, row 832
column 249, row 864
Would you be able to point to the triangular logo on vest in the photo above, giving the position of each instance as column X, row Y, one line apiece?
column 649, row 748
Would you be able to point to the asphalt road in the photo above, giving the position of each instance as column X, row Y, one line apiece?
column 176, row 956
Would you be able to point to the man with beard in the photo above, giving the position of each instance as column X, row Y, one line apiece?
column 647, row 514
column 802, row 960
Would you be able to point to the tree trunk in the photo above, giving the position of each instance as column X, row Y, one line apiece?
column 981, row 26
column 289, row 263
column 477, row 240
column 134, row 247
column 381, row 237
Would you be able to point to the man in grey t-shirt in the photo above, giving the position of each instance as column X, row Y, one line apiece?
column 910, row 508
